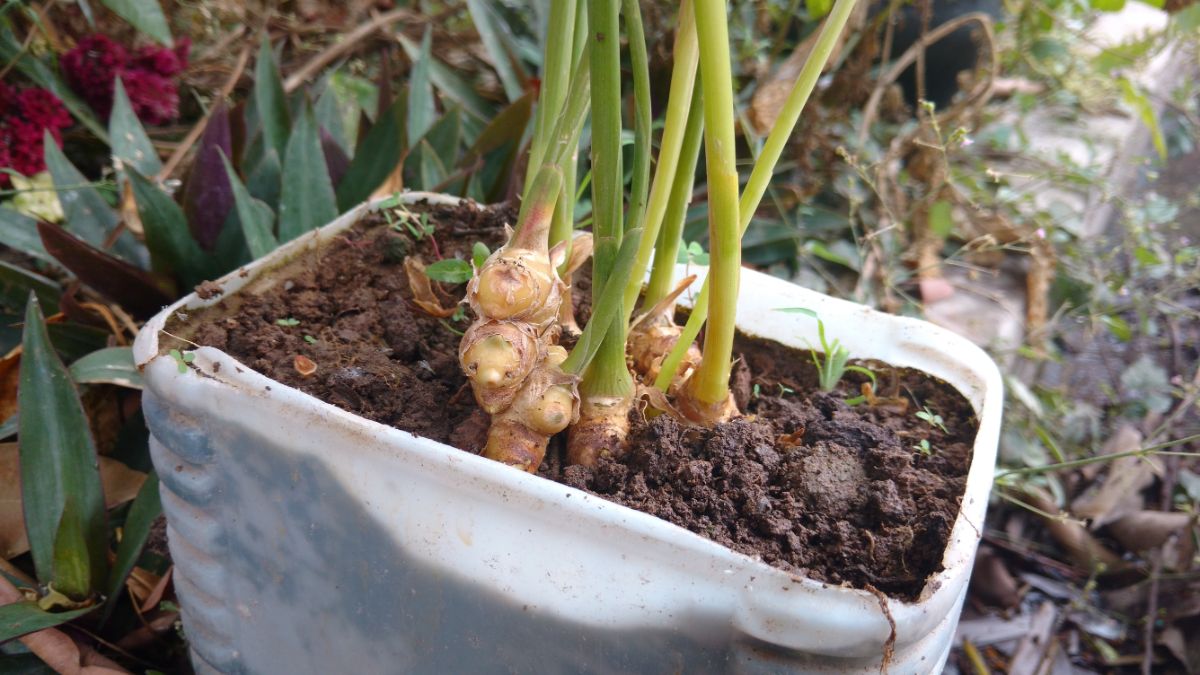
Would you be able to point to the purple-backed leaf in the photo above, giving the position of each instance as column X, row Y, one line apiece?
column 207, row 196
column 238, row 132
column 336, row 159
column 133, row 288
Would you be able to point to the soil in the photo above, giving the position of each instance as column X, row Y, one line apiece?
column 810, row 484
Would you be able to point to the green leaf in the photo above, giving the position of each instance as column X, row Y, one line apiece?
column 307, row 201
column 1146, row 257
column 130, row 144
column 144, row 15
column 263, row 179
column 72, row 573
column 798, row 310
column 450, row 84
column 23, row 618
column 58, row 457
column 1108, row 5
column 74, row 341
column 19, row 232
column 422, row 109
column 1137, row 99
column 450, row 271
column 172, row 248
column 818, row 8
column 376, row 157
column 479, row 254
column 940, row 221
column 16, row 283
column 86, row 213
column 256, row 217
column 328, row 110
column 1186, row 20
column 492, row 33
column 143, row 512
column 607, row 307
column 112, row 365
column 270, row 99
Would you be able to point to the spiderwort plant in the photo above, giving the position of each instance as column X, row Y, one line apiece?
column 519, row 372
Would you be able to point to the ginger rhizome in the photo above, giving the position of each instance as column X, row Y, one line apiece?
column 510, row 353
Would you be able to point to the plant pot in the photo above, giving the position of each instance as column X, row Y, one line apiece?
column 309, row 540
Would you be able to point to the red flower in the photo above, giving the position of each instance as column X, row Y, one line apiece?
column 92, row 67
column 154, row 97
column 25, row 116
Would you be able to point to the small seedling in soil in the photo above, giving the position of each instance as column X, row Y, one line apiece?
column 832, row 366
column 479, row 254
column 418, row 226
column 288, row 322
column 924, row 447
column 934, row 419
column 868, row 389
column 182, row 360
column 450, row 271
column 310, row 339
column 784, row 390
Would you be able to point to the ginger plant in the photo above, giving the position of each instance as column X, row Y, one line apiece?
column 519, row 372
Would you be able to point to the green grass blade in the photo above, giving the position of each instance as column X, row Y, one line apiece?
column 58, row 456
column 375, row 157
column 143, row 512
column 422, row 108
column 257, row 219
column 130, row 144
column 172, row 249
column 145, row 15
column 19, row 232
column 307, row 200
column 23, row 618
column 111, row 365
column 491, row 33
column 270, row 99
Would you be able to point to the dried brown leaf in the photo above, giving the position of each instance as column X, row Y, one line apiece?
column 1143, row 530
column 1120, row 493
column 9, row 371
column 422, row 290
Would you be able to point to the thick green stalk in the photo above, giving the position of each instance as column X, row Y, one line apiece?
column 557, row 60
column 608, row 374
column 666, row 252
column 640, row 184
column 711, row 385
column 676, row 121
column 764, row 168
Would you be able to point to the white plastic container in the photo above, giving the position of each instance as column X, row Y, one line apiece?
column 309, row 540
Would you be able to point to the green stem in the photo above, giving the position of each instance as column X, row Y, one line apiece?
column 563, row 227
column 641, row 115
column 720, row 152
column 537, row 210
column 557, row 59
column 666, row 252
column 764, row 167
column 676, row 122
column 608, row 374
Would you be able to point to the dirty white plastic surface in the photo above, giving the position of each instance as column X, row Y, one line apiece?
column 307, row 539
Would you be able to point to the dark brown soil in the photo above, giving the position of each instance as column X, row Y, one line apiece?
column 840, row 493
